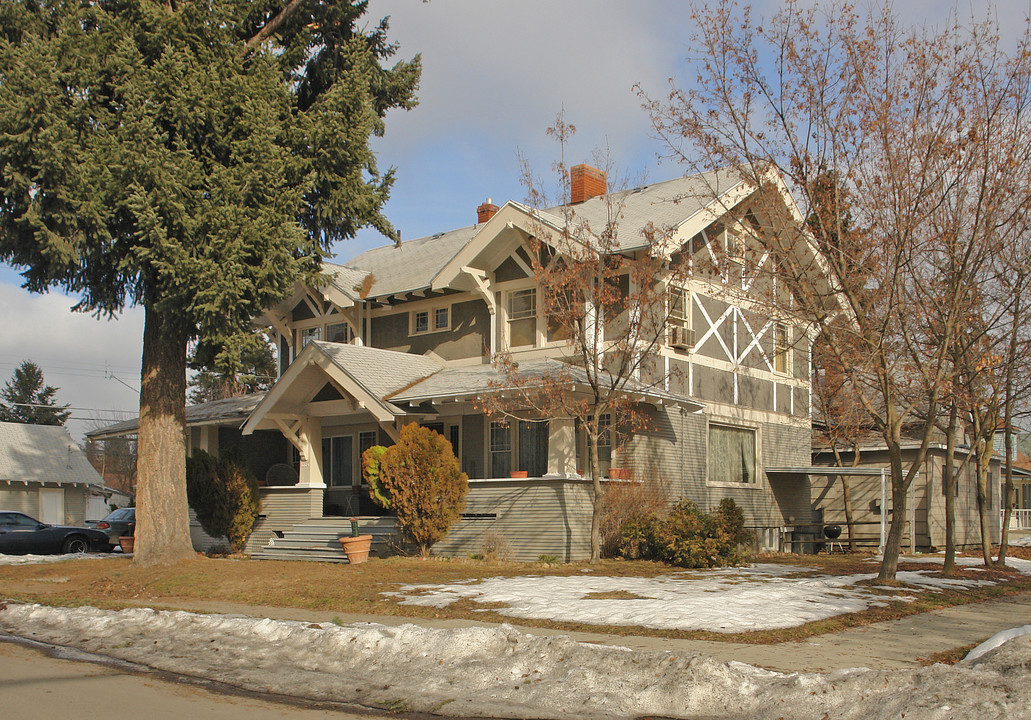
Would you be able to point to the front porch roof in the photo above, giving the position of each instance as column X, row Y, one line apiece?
column 231, row 412
column 364, row 377
column 389, row 384
column 462, row 383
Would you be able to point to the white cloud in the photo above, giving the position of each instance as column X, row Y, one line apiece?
column 76, row 352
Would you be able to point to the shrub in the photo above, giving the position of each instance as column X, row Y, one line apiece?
column 370, row 471
column 688, row 537
column 224, row 494
column 423, row 483
column 629, row 502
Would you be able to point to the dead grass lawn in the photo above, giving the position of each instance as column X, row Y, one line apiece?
column 116, row 583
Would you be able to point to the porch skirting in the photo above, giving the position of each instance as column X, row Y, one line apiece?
column 529, row 517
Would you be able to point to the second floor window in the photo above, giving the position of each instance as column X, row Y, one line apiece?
column 430, row 320
column 782, row 346
column 522, row 318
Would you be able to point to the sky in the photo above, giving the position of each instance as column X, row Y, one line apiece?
column 495, row 76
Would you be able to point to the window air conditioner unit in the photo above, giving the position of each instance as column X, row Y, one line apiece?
column 682, row 337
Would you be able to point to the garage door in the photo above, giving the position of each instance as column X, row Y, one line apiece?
column 51, row 506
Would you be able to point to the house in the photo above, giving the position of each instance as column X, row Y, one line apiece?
column 407, row 333
column 43, row 473
column 925, row 521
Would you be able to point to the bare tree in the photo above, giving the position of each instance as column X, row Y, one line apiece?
column 898, row 116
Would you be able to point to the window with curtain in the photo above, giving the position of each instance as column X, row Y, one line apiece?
column 731, row 454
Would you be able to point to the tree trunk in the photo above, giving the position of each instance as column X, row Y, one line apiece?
column 897, row 526
column 949, row 488
column 599, row 495
column 982, row 502
column 162, row 515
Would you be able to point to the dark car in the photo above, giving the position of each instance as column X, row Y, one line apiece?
column 21, row 535
column 119, row 523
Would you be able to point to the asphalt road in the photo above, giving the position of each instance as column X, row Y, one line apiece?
column 35, row 685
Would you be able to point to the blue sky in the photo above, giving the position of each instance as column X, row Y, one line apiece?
column 495, row 75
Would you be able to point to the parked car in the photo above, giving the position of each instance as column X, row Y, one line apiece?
column 21, row 535
column 120, row 522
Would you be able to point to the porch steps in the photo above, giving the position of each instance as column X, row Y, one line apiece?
column 317, row 539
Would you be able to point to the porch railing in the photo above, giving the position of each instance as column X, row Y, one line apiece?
column 1019, row 520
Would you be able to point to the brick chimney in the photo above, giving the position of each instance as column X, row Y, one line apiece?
column 486, row 211
column 586, row 182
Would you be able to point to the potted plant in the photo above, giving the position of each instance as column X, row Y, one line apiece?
column 356, row 546
column 127, row 542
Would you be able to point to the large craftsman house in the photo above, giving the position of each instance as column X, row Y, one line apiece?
column 408, row 334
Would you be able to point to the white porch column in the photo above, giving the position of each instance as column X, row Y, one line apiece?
column 310, row 435
column 310, row 475
column 561, row 447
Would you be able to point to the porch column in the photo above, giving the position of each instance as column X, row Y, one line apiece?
column 561, row 447
column 310, row 475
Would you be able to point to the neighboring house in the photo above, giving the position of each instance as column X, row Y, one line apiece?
column 925, row 523
column 407, row 334
column 43, row 473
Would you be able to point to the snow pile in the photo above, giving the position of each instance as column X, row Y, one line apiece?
column 499, row 672
column 760, row 597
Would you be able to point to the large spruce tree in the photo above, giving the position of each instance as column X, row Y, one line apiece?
column 192, row 158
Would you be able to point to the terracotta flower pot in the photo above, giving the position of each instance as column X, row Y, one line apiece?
column 619, row 473
column 127, row 542
column 519, row 473
column 357, row 548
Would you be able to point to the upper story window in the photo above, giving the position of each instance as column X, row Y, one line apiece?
column 522, row 318
column 681, row 335
column 309, row 334
column 434, row 319
column 339, row 333
column 782, row 348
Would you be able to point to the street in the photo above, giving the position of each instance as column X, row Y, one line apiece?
column 35, row 685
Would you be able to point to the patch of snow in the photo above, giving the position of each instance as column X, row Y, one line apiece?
column 499, row 672
column 41, row 559
column 996, row 640
column 758, row 597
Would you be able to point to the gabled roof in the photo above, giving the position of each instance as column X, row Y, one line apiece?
column 405, row 268
column 43, row 454
column 368, row 375
column 665, row 205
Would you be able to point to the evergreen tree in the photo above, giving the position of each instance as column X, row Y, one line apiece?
column 196, row 159
column 27, row 399
column 254, row 372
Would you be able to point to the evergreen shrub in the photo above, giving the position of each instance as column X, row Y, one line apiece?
column 224, row 494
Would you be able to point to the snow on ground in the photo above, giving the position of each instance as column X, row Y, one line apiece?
column 40, row 559
column 758, row 597
column 499, row 672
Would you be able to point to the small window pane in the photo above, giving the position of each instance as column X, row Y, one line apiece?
column 440, row 319
column 421, row 322
column 339, row 333
column 522, row 304
column 731, row 454
column 309, row 334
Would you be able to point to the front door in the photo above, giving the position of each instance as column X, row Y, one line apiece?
column 338, row 474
